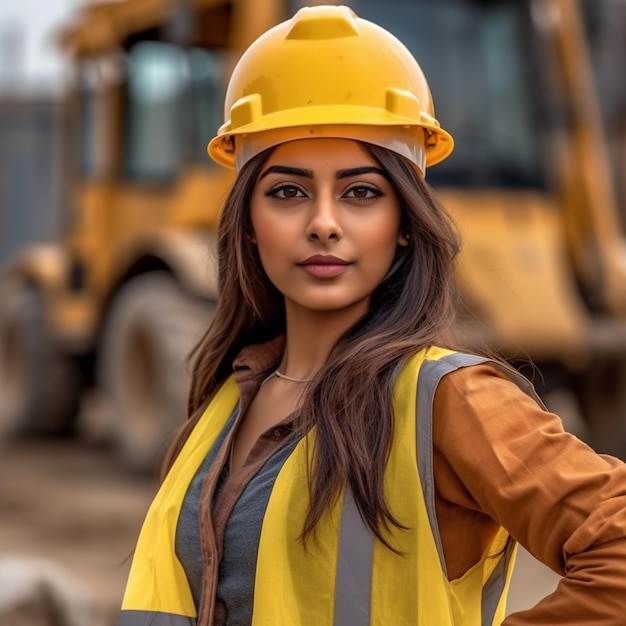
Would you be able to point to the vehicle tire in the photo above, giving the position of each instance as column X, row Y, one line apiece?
column 40, row 387
column 141, row 365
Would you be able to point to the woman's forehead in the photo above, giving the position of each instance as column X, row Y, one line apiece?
column 321, row 151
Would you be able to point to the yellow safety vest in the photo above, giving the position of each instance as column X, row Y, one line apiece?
column 344, row 576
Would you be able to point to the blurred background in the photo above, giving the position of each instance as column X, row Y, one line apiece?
column 108, row 209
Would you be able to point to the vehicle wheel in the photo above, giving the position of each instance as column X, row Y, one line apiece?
column 39, row 387
column 141, row 366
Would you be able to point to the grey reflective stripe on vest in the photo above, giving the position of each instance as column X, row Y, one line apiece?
column 354, row 567
column 153, row 618
column 493, row 588
column 430, row 375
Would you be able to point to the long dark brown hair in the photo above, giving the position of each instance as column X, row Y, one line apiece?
column 349, row 402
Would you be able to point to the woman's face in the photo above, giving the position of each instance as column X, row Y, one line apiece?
column 326, row 222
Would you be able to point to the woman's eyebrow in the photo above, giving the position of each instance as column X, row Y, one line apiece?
column 347, row 173
column 358, row 171
column 284, row 169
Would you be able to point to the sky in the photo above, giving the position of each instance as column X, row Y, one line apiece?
column 34, row 63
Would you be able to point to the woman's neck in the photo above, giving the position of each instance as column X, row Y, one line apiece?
column 309, row 338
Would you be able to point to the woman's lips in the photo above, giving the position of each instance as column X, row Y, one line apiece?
column 324, row 266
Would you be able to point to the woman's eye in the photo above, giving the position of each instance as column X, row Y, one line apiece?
column 363, row 192
column 286, row 192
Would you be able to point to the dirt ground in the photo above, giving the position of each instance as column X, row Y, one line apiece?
column 73, row 504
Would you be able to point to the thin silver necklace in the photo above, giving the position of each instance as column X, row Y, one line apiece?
column 292, row 379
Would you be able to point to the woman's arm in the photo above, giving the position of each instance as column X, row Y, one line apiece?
column 499, row 456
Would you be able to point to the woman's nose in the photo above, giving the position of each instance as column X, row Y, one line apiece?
column 324, row 225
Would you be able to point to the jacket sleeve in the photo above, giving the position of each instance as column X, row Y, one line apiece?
column 500, row 457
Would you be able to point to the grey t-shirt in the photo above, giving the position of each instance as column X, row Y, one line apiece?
column 237, row 568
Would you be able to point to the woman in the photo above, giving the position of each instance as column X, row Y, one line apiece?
column 340, row 466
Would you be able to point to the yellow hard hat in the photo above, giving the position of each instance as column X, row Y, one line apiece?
column 328, row 73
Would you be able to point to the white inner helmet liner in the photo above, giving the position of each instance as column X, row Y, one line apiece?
column 406, row 141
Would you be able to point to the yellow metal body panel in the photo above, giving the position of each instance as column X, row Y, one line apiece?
column 119, row 224
column 514, row 272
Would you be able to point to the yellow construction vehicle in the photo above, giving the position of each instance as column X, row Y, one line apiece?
column 99, row 323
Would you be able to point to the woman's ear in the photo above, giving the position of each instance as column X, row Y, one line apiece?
column 403, row 239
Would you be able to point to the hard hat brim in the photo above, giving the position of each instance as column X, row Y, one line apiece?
column 371, row 126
